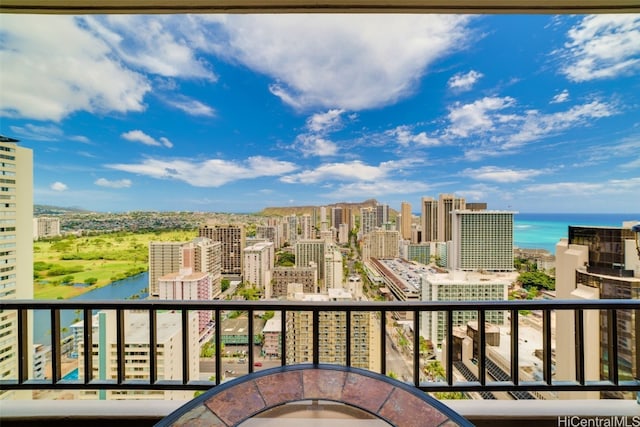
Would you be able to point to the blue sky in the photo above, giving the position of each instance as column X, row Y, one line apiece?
column 233, row 113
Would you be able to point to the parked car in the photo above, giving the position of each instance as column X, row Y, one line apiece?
column 257, row 364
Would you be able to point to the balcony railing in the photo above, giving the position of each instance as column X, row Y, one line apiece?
column 511, row 384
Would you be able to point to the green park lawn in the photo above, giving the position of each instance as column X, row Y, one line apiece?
column 93, row 260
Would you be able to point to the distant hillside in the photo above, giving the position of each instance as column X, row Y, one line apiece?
column 301, row 210
column 55, row 210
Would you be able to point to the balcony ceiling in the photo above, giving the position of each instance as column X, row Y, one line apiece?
column 323, row 6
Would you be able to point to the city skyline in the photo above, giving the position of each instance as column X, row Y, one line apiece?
column 236, row 113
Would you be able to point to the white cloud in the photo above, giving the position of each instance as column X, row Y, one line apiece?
column 324, row 122
column 60, row 85
column 190, row 106
column 139, row 136
column 158, row 44
column 58, row 186
column 561, row 97
column 340, row 61
column 536, row 125
column 464, row 82
column 208, row 173
column 38, row 133
column 479, row 116
column 121, row 183
column 602, row 46
column 378, row 188
column 613, row 187
column 350, row 171
column 313, row 145
column 404, row 136
column 496, row 174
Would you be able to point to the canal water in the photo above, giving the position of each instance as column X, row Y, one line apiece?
column 120, row 290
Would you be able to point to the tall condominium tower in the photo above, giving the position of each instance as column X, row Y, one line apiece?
column 482, row 240
column 447, row 203
column 188, row 285
column 232, row 238
column 308, row 251
column 16, row 253
column 405, row 221
column 598, row 263
column 336, row 217
column 382, row 215
column 429, row 219
column 164, row 258
column 381, row 244
column 204, row 255
column 332, row 329
column 368, row 218
column 45, row 227
column 259, row 261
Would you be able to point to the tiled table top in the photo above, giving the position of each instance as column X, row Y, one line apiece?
column 231, row 403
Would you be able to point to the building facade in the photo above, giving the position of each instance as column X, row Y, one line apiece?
column 381, row 244
column 259, row 261
column 188, row 285
column 308, row 251
column 45, row 227
column 232, row 238
column 307, row 277
column 405, row 220
column 482, row 240
column 164, row 258
column 598, row 263
column 16, row 251
column 364, row 343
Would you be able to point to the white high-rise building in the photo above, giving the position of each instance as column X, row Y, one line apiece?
column 482, row 240
column 204, row 255
column 307, row 230
column 164, row 258
column 16, row 252
column 188, row 285
column 45, row 227
column 368, row 220
column 334, row 275
column 259, row 261
column 137, row 353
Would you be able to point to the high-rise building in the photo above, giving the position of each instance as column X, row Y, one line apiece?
column 368, row 218
column 259, row 261
column 270, row 233
column 16, row 253
column 343, row 234
column 429, row 219
column 232, row 238
column 482, row 240
column 307, row 229
column 164, row 258
column 336, row 217
column 169, row 363
column 381, row 244
column 188, row 285
column 204, row 255
column 420, row 253
column 307, row 277
column 447, row 203
column 308, row 251
column 382, row 214
column 405, row 221
column 461, row 286
column 334, row 275
column 44, row 227
column 364, row 345
column 598, row 263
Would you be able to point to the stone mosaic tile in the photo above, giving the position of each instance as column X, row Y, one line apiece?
column 406, row 410
column 200, row 416
column 236, row 403
column 280, row 388
column 323, row 384
column 365, row 392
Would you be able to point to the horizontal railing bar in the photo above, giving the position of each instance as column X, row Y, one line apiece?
column 604, row 304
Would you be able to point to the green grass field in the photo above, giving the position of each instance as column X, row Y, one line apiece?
column 95, row 260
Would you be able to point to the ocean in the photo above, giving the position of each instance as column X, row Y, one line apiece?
column 544, row 230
